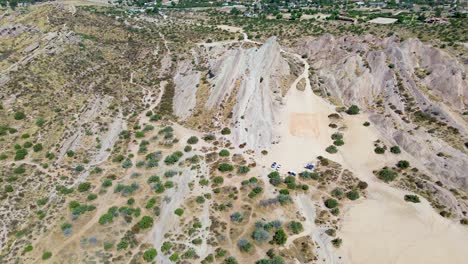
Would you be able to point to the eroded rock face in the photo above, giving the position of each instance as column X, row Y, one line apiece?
column 246, row 83
column 356, row 70
column 393, row 80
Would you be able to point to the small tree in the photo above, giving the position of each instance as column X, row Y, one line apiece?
column 46, row 255
column 331, row 203
column 352, row 195
column 192, row 140
column 223, row 167
column 395, row 150
column 226, row 131
column 379, row 150
column 280, row 237
column 146, row 222
column 353, row 110
column 331, row 149
column 387, row 175
column 19, row 116
column 179, row 211
column 412, row 198
column 244, row 245
column 150, row 254
column 84, row 186
column 403, row 164
column 295, row 227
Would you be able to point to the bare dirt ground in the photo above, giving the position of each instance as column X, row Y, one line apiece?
column 383, row 228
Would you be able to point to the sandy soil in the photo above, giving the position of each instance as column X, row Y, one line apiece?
column 383, row 228
column 230, row 28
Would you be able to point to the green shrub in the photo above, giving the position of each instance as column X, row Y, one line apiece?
column 236, row 217
column 387, row 175
column 366, row 124
column 91, row 197
column 192, row 140
column 19, row 116
column 224, row 153
column 379, row 150
column 243, row 170
column 337, row 242
column 244, row 245
column 150, row 254
column 174, row 257
column 362, row 185
column 226, row 131
column 19, row 170
column 280, row 237
column 275, row 178
column 353, row 110
column 218, row 180
column 46, row 255
column 21, row 154
column 403, row 164
column 412, row 198
column 224, row 167
column 338, row 193
column 336, row 136
column 331, row 149
column 179, row 211
column 84, row 186
column 145, row 222
column 296, row 227
column 331, row 203
column 37, row 147
column 309, row 175
column 352, row 195
column 395, row 150
column 28, row 248
column 338, row 142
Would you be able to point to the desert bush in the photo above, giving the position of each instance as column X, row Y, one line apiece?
column 224, row 153
column 244, row 245
column 395, row 150
column 280, row 237
column 295, row 227
column 46, row 255
column 145, row 222
column 243, row 170
column 412, row 198
column 236, row 217
column 403, row 164
column 387, row 175
column 331, row 203
column 84, row 186
column 179, row 211
column 331, row 149
column 379, row 150
column 150, row 254
column 337, row 192
column 19, row 116
column 353, row 110
column 352, row 195
column 192, row 140
column 224, row 167
column 226, row 131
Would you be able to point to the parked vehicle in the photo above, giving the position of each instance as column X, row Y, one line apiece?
column 292, row 173
column 278, row 167
column 273, row 165
column 310, row 166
